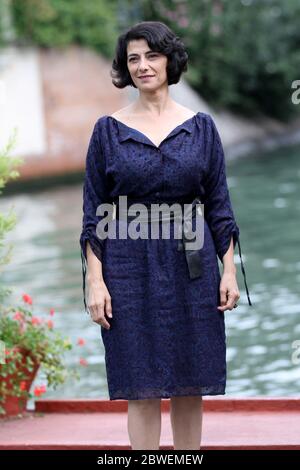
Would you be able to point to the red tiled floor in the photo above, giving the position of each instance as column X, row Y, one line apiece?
column 238, row 428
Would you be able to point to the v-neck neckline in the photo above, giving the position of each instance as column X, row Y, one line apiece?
column 185, row 122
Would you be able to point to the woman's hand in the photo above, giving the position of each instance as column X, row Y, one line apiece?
column 229, row 291
column 99, row 302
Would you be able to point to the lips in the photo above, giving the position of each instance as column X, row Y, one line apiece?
column 146, row 76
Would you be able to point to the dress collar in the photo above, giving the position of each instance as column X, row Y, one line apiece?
column 127, row 132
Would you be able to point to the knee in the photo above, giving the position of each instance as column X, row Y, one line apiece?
column 186, row 401
column 145, row 404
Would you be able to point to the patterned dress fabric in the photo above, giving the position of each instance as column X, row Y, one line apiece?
column 167, row 337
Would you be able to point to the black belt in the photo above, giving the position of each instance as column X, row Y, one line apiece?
column 193, row 256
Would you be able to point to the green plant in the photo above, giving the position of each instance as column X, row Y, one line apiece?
column 8, row 171
column 58, row 23
column 30, row 341
column 27, row 342
column 243, row 55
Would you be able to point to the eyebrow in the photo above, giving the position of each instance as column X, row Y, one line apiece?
column 135, row 54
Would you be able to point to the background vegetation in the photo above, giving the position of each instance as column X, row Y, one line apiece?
column 244, row 54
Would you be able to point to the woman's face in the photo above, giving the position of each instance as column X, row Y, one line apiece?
column 142, row 62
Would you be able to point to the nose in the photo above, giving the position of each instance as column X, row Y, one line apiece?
column 143, row 64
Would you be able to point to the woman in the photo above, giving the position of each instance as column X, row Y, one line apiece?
column 160, row 307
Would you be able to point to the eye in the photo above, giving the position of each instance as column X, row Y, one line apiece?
column 151, row 55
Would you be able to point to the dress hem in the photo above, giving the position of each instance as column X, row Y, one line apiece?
column 167, row 395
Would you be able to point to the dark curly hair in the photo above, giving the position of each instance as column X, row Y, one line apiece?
column 160, row 38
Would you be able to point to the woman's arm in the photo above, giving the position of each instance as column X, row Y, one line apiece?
column 220, row 216
column 94, row 274
column 95, row 192
column 99, row 302
column 228, row 260
column 229, row 290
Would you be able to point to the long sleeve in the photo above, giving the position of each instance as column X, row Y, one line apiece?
column 95, row 192
column 217, row 203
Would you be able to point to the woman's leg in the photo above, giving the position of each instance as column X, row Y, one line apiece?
column 144, row 423
column 186, row 421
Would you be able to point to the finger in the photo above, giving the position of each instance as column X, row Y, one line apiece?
column 103, row 322
column 102, row 319
column 224, row 301
column 223, row 297
column 231, row 300
column 97, row 313
column 223, row 307
column 108, row 307
column 234, row 297
column 93, row 311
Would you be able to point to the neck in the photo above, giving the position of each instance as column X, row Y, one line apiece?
column 154, row 103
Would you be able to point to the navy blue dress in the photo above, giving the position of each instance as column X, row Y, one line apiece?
column 167, row 337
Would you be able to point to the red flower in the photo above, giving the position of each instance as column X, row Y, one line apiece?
column 23, row 385
column 36, row 321
column 27, row 299
column 80, row 341
column 50, row 324
column 19, row 316
column 82, row 361
column 52, row 312
column 38, row 391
